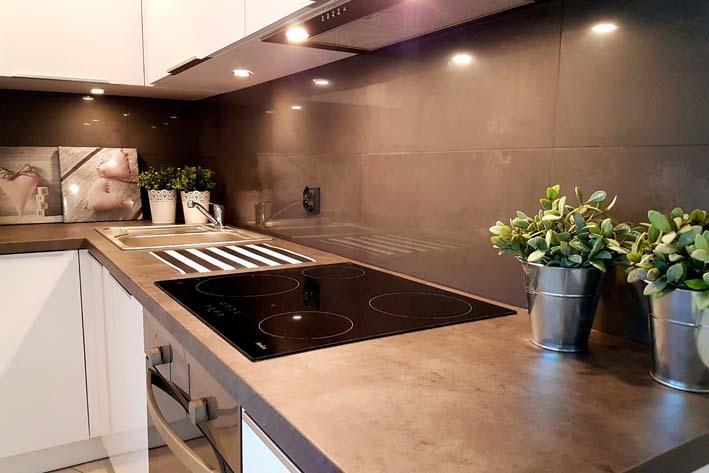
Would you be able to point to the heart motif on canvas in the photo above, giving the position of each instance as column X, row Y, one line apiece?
column 117, row 168
column 19, row 186
column 100, row 198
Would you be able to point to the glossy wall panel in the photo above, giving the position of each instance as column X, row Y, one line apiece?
column 416, row 157
column 54, row 119
column 643, row 84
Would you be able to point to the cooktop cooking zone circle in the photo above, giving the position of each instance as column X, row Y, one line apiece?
column 306, row 325
column 334, row 272
column 247, row 285
column 420, row 305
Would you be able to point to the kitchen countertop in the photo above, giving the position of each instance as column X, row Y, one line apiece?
column 473, row 397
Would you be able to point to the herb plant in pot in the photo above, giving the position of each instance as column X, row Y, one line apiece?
column 194, row 183
column 162, row 193
column 672, row 258
column 564, row 251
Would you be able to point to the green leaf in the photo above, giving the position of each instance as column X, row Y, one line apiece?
column 580, row 223
column 637, row 274
column 696, row 284
column 659, row 221
column 553, row 192
column 607, row 227
column 677, row 212
column 706, row 277
column 697, row 216
column 604, row 255
column 701, row 243
column 575, row 259
column 545, row 204
column 669, row 237
column 653, row 274
column 675, row 273
column 688, row 237
column 598, row 196
column 612, row 204
column 598, row 265
column 536, row 256
column 701, row 255
column 655, row 287
column 665, row 249
column 538, row 243
column 579, row 195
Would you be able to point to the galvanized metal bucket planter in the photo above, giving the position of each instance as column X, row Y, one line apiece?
column 562, row 304
column 680, row 341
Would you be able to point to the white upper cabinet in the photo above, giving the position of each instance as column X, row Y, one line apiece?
column 90, row 40
column 42, row 376
column 178, row 31
column 261, row 13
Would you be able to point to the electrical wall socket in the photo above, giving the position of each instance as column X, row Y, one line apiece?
column 311, row 200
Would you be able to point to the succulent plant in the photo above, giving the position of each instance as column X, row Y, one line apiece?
column 672, row 253
column 563, row 235
column 158, row 179
column 195, row 178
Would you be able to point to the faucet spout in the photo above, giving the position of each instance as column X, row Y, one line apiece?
column 217, row 220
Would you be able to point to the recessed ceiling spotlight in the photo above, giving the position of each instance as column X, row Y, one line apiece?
column 88, row 98
column 321, row 82
column 95, row 120
column 242, row 73
column 87, row 123
column 126, row 114
column 297, row 34
column 461, row 59
column 270, row 111
column 296, row 107
column 98, row 91
column 604, row 27
column 173, row 117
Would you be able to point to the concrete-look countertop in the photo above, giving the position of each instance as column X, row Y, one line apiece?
column 473, row 397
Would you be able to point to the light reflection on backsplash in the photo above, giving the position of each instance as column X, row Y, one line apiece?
column 417, row 155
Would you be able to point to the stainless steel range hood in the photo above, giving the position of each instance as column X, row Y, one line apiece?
column 367, row 25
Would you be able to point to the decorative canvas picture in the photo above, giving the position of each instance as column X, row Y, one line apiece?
column 29, row 185
column 99, row 184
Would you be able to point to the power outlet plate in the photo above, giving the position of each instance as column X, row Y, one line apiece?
column 311, row 200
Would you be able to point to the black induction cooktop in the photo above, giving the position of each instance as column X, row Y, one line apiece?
column 280, row 312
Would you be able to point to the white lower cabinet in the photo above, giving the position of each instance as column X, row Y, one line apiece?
column 127, row 441
column 42, row 378
column 258, row 452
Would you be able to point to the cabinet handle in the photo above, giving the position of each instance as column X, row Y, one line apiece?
column 179, row 448
column 186, row 64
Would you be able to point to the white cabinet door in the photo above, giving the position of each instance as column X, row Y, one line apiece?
column 176, row 31
column 258, row 452
column 95, row 40
column 261, row 13
column 127, row 442
column 97, row 388
column 42, row 381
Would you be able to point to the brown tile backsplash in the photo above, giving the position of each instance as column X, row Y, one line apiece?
column 416, row 158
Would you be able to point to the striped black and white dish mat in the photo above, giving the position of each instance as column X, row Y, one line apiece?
column 389, row 244
column 217, row 258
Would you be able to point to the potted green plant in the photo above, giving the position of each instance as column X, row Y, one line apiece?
column 194, row 183
column 564, row 251
column 672, row 258
column 161, row 185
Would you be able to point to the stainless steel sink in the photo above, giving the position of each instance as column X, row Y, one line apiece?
column 155, row 237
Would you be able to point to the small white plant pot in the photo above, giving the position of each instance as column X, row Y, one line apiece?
column 193, row 215
column 162, row 205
